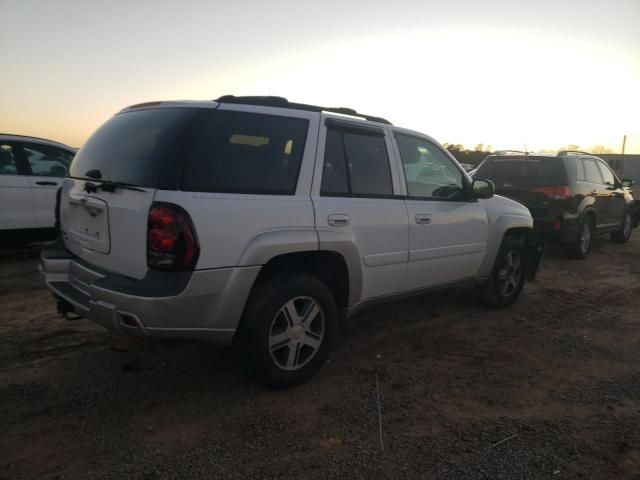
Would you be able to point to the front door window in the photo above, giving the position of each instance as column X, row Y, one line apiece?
column 428, row 171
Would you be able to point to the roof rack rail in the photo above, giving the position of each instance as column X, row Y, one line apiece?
column 562, row 153
column 34, row 138
column 281, row 102
column 509, row 152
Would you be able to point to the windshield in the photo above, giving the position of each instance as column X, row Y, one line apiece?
column 133, row 147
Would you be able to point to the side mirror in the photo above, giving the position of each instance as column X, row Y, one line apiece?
column 483, row 188
column 627, row 183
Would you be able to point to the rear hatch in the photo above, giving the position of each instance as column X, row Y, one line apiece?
column 535, row 181
column 105, row 203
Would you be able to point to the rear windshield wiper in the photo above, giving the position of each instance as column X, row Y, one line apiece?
column 107, row 186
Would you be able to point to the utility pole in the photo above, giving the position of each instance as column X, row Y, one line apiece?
column 624, row 143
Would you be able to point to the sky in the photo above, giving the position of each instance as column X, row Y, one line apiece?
column 506, row 73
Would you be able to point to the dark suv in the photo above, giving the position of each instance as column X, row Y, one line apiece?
column 571, row 195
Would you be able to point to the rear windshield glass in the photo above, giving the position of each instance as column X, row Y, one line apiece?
column 530, row 170
column 134, row 147
column 240, row 152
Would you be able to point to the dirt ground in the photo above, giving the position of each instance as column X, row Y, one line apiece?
column 549, row 388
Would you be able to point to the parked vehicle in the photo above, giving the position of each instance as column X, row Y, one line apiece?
column 571, row 195
column 264, row 222
column 467, row 166
column 628, row 166
column 31, row 170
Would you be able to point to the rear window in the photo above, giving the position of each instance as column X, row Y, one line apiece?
column 134, row 147
column 532, row 170
column 240, row 152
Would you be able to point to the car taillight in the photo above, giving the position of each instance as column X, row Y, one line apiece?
column 557, row 225
column 171, row 239
column 557, row 192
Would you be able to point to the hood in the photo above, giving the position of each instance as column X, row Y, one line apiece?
column 511, row 206
column 498, row 206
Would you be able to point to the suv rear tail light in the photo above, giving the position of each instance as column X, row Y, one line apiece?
column 557, row 225
column 557, row 192
column 171, row 239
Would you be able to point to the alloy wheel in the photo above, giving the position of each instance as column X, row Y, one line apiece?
column 510, row 273
column 296, row 333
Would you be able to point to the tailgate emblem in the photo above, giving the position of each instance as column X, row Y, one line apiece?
column 507, row 185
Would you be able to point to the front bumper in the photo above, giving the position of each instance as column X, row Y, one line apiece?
column 208, row 307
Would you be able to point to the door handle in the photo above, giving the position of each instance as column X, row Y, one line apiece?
column 423, row 218
column 53, row 184
column 338, row 220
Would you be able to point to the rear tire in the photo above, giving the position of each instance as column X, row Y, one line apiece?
column 624, row 233
column 288, row 329
column 508, row 275
column 580, row 247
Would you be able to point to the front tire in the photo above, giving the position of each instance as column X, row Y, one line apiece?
column 623, row 235
column 288, row 329
column 508, row 275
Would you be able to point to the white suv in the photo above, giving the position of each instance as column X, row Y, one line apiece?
column 264, row 222
column 31, row 170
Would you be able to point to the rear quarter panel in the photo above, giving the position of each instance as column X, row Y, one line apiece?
column 229, row 226
column 248, row 229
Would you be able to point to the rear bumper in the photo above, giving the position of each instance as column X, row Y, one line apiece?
column 557, row 230
column 26, row 235
column 209, row 306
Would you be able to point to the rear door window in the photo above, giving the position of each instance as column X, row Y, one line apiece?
column 356, row 163
column 45, row 160
column 368, row 163
column 239, row 152
column 335, row 178
column 592, row 174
